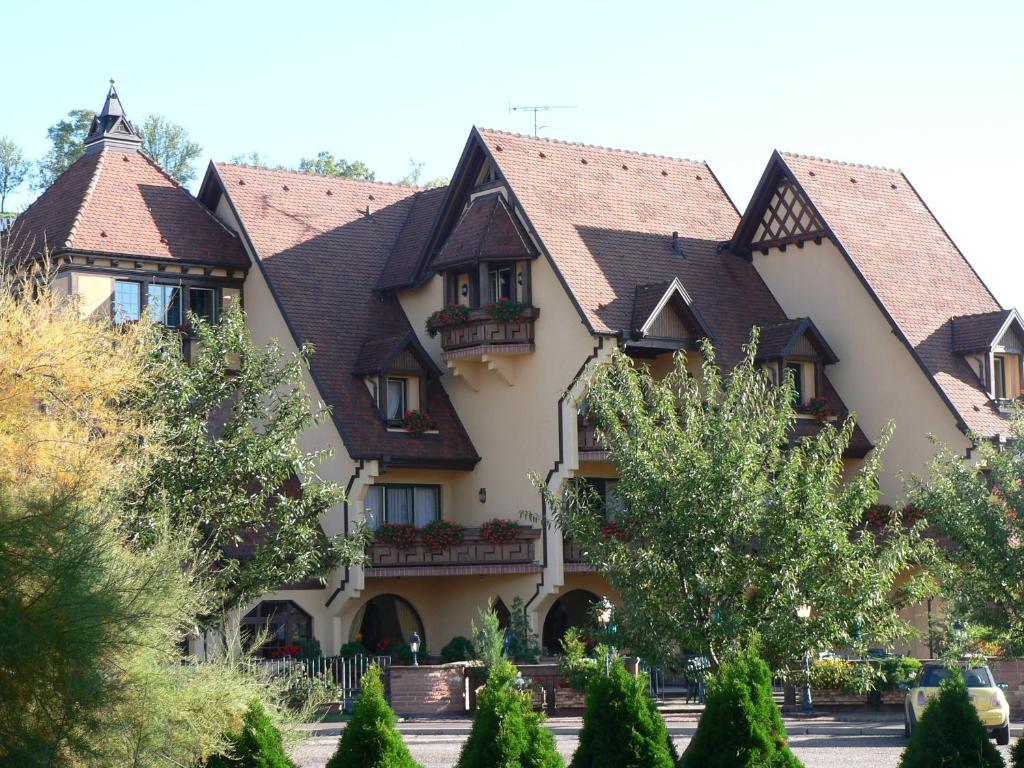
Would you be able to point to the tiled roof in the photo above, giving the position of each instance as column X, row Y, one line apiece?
column 322, row 255
column 645, row 301
column 778, row 340
column 912, row 267
column 122, row 203
column 487, row 230
column 973, row 333
column 400, row 269
column 606, row 217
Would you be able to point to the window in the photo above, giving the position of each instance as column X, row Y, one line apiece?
column 127, row 301
column 282, row 621
column 606, row 489
column 398, row 397
column 202, row 302
column 798, row 382
column 999, row 376
column 502, row 286
column 410, row 504
column 164, row 303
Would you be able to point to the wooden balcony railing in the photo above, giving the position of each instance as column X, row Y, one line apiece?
column 473, row 551
column 481, row 333
column 587, row 442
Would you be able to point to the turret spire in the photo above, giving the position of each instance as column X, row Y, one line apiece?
column 111, row 129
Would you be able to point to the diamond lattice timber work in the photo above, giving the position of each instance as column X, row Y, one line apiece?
column 788, row 218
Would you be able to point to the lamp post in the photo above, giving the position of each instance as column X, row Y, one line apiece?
column 414, row 646
column 605, row 612
column 803, row 612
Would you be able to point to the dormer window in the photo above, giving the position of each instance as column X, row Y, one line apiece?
column 397, row 401
column 796, row 348
column 992, row 344
column 396, row 371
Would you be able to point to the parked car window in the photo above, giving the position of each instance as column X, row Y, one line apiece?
column 976, row 677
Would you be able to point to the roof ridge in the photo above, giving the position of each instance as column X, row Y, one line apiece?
column 93, row 181
column 345, row 179
column 840, row 162
column 189, row 195
column 563, row 142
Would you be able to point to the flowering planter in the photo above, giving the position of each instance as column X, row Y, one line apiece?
column 472, row 550
column 570, row 698
column 836, row 697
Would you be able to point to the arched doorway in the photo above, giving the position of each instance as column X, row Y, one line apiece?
column 386, row 621
column 284, row 623
column 573, row 609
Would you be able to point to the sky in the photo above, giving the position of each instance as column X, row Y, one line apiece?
column 933, row 88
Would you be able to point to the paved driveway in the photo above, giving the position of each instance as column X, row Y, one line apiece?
column 437, row 750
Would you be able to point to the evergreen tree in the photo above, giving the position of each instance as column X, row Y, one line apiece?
column 950, row 733
column 371, row 740
column 1017, row 754
column 622, row 727
column 258, row 745
column 741, row 726
column 506, row 732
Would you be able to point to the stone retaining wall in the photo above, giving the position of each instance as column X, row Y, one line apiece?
column 429, row 690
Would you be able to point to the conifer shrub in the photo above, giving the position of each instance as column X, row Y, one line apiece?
column 621, row 726
column 506, row 731
column 1017, row 754
column 371, row 740
column 459, row 648
column 258, row 745
column 950, row 733
column 741, row 726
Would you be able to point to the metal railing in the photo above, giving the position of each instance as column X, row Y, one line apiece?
column 344, row 672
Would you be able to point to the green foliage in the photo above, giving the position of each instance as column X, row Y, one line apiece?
column 741, row 726
column 949, row 733
column 14, row 169
column 230, row 469
column 622, row 727
column 371, row 740
column 845, row 675
column 574, row 663
column 488, row 640
column 897, row 670
column 523, row 643
column 506, row 731
column 403, row 653
column 353, row 648
column 258, row 745
column 170, row 146
column 326, row 164
column 728, row 527
column 979, row 507
column 66, row 137
column 309, row 648
column 459, row 648
column 1017, row 754
column 305, row 690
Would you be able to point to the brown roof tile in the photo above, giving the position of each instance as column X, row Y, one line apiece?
column 973, row 333
column 122, row 203
column 322, row 255
column 400, row 269
column 911, row 265
column 487, row 230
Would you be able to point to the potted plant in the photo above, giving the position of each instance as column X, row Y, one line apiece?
column 440, row 535
column 417, row 422
column 398, row 535
column 498, row 532
column 452, row 314
column 820, row 408
column 505, row 310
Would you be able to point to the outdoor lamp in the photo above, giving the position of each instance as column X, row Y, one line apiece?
column 414, row 646
column 803, row 612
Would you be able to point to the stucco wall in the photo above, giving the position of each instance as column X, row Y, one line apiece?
column 876, row 375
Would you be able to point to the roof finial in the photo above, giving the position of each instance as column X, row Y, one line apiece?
column 111, row 128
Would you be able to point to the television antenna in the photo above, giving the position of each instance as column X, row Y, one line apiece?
column 535, row 110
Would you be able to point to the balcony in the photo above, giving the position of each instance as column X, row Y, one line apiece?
column 573, row 560
column 589, row 447
column 480, row 335
column 473, row 556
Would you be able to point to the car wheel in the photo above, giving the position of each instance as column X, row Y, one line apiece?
column 1003, row 735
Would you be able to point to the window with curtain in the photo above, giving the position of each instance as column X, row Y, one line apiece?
column 397, row 504
column 397, row 398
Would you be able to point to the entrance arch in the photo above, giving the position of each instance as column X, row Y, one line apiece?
column 282, row 622
column 385, row 621
column 573, row 609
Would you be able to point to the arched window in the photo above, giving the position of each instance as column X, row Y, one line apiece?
column 573, row 609
column 282, row 621
column 386, row 621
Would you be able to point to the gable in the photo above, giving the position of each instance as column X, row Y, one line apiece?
column 779, row 214
column 669, row 324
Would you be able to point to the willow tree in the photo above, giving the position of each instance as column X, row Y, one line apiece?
column 724, row 523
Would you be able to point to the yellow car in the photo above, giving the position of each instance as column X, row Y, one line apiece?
column 987, row 697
